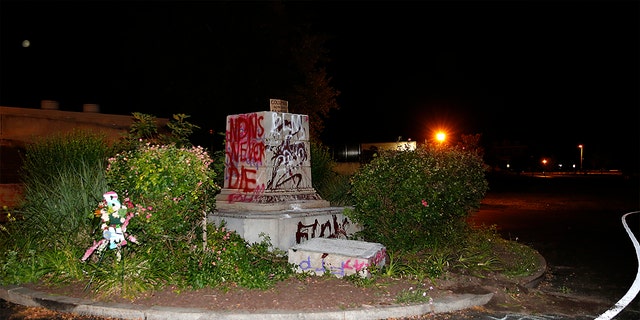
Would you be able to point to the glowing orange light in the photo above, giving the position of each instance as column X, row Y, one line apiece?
column 441, row 136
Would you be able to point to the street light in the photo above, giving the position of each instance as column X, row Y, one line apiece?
column 441, row 136
column 581, row 150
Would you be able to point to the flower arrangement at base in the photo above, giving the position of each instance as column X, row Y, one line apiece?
column 115, row 218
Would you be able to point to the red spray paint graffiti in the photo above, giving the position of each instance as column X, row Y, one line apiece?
column 244, row 146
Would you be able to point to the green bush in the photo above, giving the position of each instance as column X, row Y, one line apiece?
column 228, row 261
column 172, row 189
column 145, row 129
column 330, row 185
column 176, row 183
column 414, row 199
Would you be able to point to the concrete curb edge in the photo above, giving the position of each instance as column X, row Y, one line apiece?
column 31, row 298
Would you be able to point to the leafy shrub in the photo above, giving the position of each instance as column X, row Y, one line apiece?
column 176, row 182
column 414, row 199
column 330, row 185
column 173, row 190
column 228, row 261
column 145, row 128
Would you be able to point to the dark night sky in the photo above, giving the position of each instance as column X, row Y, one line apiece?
column 550, row 74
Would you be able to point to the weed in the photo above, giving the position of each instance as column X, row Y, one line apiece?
column 414, row 295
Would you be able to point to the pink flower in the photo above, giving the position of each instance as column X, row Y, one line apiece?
column 424, row 203
column 133, row 239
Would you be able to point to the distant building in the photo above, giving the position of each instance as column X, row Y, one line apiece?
column 20, row 126
column 364, row 152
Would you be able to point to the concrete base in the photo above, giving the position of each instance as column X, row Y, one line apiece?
column 229, row 200
column 287, row 227
column 339, row 257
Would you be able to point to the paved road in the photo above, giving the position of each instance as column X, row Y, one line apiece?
column 576, row 225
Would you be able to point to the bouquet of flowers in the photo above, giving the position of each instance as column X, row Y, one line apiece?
column 115, row 218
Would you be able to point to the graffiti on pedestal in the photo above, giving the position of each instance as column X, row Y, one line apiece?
column 266, row 152
column 244, row 151
column 328, row 229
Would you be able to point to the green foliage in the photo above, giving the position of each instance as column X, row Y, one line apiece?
column 126, row 277
column 417, row 199
column 218, row 165
column 10, row 220
column 414, row 295
column 62, row 265
column 20, row 265
column 228, row 261
column 146, row 129
column 419, row 265
column 330, row 185
column 516, row 259
column 176, row 182
column 174, row 188
column 359, row 281
column 180, row 130
column 64, row 176
column 475, row 253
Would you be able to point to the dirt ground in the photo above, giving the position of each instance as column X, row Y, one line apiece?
column 327, row 293
column 330, row 293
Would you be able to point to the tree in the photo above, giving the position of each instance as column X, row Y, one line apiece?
column 314, row 96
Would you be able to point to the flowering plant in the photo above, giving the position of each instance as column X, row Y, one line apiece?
column 417, row 198
column 177, row 181
column 115, row 219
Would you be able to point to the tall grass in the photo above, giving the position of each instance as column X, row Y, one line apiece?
column 64, row 179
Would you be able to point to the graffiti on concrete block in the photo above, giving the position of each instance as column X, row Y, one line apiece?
column 348, row 266
column 266, row 152
column 380, row 257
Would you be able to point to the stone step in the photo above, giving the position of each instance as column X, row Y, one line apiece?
column 338, row 257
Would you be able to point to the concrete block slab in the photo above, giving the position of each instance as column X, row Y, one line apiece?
column 339, row 257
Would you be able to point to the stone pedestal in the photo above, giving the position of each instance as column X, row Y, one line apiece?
column 267, row 183
column 286, row 228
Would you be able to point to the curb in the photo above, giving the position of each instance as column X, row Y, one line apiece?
column 31, row 298
column 534, row 280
